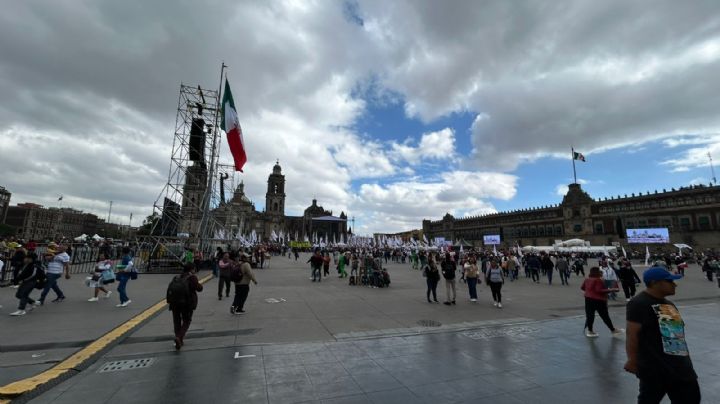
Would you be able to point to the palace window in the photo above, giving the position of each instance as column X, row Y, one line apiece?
column 577, row 228
column 704, row 222
column 599, row 228
column 685, row 223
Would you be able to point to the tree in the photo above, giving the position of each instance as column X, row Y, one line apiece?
column 148, row 224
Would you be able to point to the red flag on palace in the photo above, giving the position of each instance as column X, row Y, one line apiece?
column 231, row 126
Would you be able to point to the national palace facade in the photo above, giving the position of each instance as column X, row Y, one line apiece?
column 692, row 215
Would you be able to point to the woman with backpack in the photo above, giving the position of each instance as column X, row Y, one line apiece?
column 182, row 299
column 495, row 279
column 27, row 279
column 432, row 276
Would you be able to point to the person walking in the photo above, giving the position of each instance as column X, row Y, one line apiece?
column 432, row 277
column 471, row 277
column 125, row 272
column 448, row 271
column 512, row 268
column 183, row 302
column 28, row 277
column 342, row 262
column 533, row 264
column 225, row 265
column 563, row 269
column 242, row 286
column 628, row 279
column 610, row 278
column 97, row 280
column 547, row 267
column 316, row 263
column 657, row 352
column 58, row 264
column 216, row 261
column 596, row 301
column 495, row 279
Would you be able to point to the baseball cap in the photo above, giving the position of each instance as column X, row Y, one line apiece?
column 658, row 274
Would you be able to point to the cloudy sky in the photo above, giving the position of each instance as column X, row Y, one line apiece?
column 391, row 111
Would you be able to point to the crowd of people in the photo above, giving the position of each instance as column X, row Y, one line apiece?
column 605, row 277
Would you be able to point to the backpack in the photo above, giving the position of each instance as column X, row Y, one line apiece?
column 236, row 275
column 178, row 292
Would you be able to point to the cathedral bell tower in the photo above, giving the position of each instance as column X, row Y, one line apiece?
column 275, row 196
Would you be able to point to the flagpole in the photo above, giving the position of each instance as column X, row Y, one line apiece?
column 572, row 154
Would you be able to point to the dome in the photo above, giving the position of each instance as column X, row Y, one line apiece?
column 276, row 168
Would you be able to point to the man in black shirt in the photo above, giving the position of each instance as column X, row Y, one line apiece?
column 656, row 347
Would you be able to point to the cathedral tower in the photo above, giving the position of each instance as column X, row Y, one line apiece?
column 275, row 196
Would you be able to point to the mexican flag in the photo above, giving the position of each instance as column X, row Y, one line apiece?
column 231, row 126
column 578, row 156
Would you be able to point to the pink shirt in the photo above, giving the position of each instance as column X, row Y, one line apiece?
column 595, row 289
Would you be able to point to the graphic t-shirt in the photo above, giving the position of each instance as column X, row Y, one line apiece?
column 662, row 351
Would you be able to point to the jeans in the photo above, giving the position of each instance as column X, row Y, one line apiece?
column 564, row 277
column 432, row 287
column 495, row 288
column 535, row 274
column 122, row 288
column 593, row 305
column 608, row 285
column 472, row 287
column 241, row 294
column 52, row 284
column 317, row 273
column 223, row 281
column 679, row 391
column 549, row 276
column 23, row 293
column 216, row 269
column 181, row 322
column 450, row 287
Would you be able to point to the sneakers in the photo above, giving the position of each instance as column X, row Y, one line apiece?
column 618, row 332
column 473, row 300
column 37, row 303
column 59, row 299
column 453, row 302
column 107, row 295
column 447, row 303
column 239, row 312
column 18, row 313
column 232, row 309
column 123, row 304
column 499, row 305
column 495, row 304
column 591, row 334
column 93, row 299
column 627, row 300
column 15, row 286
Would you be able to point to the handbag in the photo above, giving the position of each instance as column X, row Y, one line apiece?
column 107, row 276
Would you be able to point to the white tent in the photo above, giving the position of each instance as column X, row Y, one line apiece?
column 96, row 237
column 82, row 237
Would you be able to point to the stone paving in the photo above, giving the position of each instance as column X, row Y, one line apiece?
column 286, row 308
column 533, row 362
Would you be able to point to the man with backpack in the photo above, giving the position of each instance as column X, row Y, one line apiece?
column 242, row 276
column 182, row 299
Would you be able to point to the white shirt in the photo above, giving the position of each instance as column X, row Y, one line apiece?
column 608, row 274
column 57, row 264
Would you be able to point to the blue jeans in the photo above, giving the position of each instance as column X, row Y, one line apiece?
column 472, row 287
column 52, row 284
column 122, row 287
column 549, row 276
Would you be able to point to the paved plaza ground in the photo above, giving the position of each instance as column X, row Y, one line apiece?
column 310, row 342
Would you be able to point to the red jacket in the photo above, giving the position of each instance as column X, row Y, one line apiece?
column 595, row 289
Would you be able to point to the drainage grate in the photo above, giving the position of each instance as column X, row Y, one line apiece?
column 133, row 364
column 429, row 323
